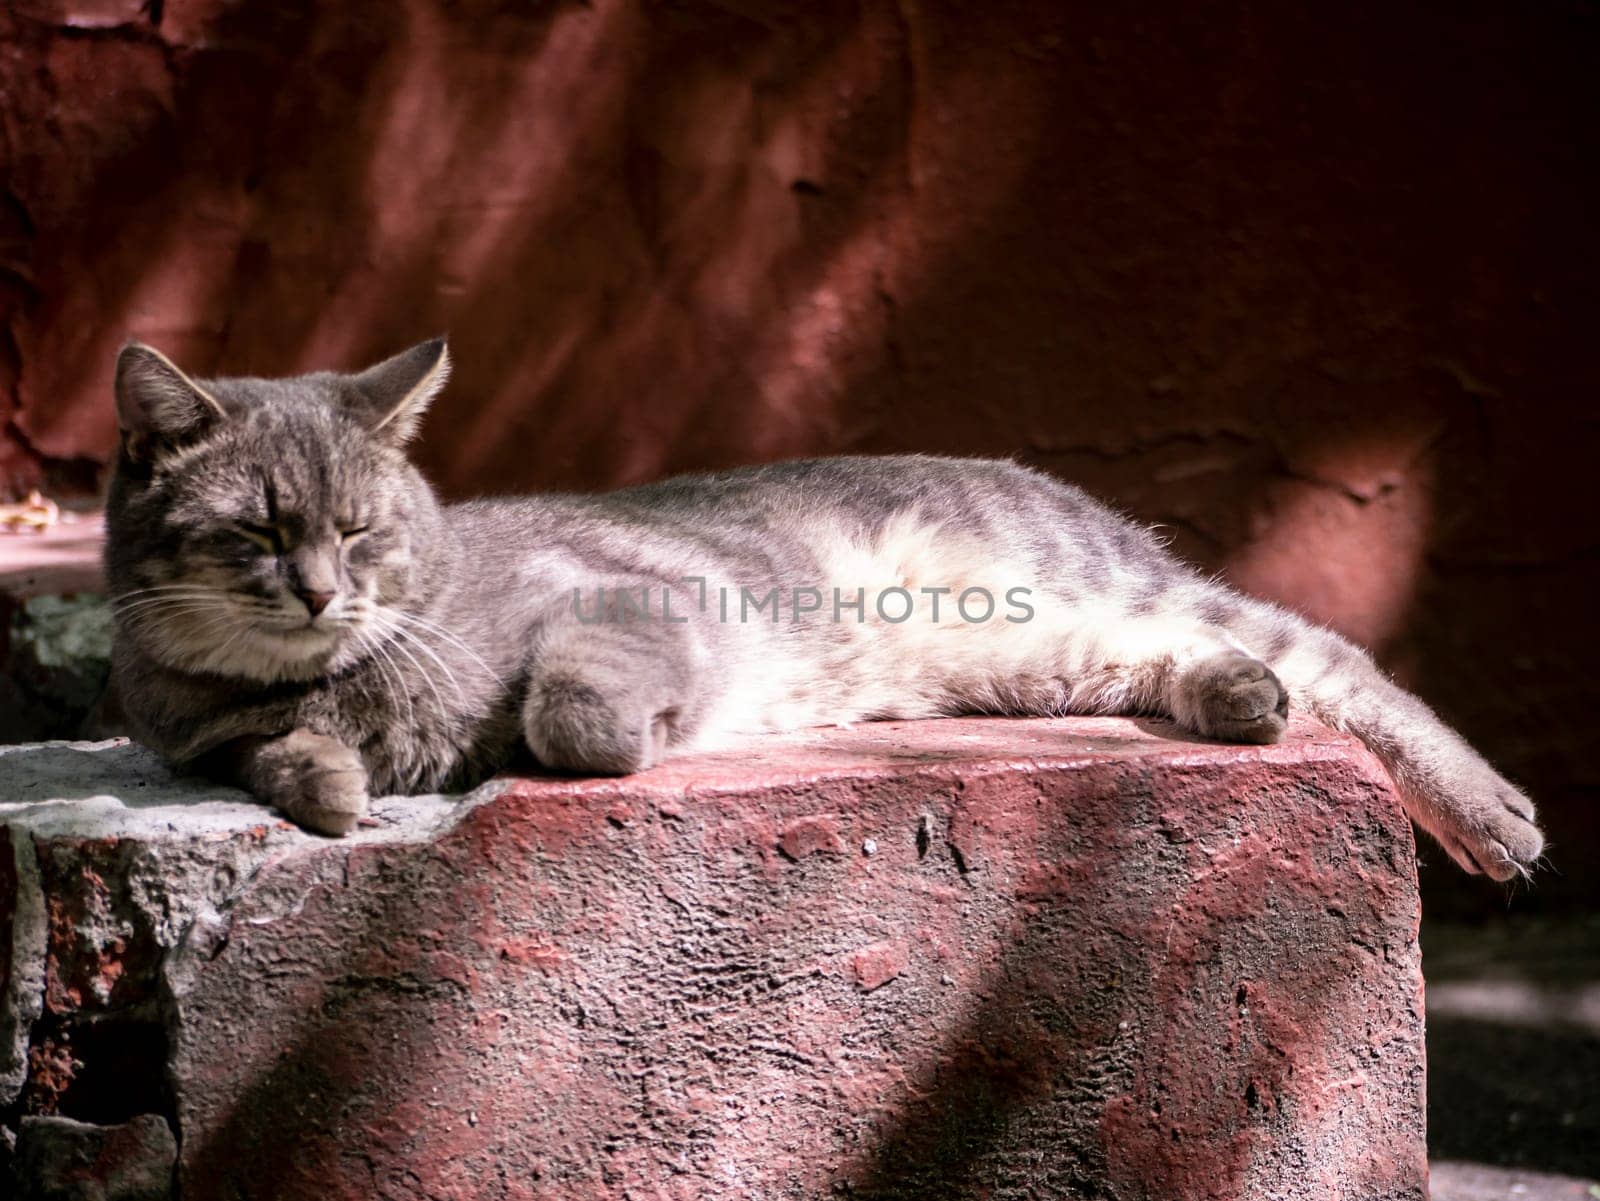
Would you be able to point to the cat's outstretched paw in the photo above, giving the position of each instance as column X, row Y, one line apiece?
column 1491, row 831
column 1234, row 698
column 325, row 790
column 572, row 726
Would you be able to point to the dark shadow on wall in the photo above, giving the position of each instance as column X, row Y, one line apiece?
column 540, row 181
column 164, row 157
column 228, row 195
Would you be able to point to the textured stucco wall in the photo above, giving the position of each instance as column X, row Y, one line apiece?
column 1311, row 285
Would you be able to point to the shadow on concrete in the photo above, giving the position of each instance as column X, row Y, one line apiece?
column 1514, row 1096
column 380, row 1068
column 1514, row 1043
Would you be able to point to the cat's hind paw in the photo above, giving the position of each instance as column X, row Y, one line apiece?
column 1495, row 835
column 1232, row 697
column 572, row 726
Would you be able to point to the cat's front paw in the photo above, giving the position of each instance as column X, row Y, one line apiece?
column 1232, row 697
column 1488, row 828
column 573, row 725
column 322, row 785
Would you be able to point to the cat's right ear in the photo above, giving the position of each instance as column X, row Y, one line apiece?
column 157, row 404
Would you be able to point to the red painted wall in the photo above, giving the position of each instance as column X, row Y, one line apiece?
column 1315, row 286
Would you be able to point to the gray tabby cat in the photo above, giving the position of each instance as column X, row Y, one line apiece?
column 296, row 611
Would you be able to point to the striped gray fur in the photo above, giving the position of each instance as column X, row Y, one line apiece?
column 296, row 610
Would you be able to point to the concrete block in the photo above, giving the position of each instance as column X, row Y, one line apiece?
column 952, row 959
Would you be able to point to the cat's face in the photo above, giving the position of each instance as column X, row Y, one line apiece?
column 267, row 529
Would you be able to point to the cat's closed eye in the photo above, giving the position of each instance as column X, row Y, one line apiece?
column 348, row 533
column 269, row 538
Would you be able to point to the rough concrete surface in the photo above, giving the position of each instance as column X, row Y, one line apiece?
column 1457, row 1181
column 957, row 959
column 58, row 1159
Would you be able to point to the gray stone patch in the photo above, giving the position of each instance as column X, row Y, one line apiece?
column 190, row 847
column 58, row 1159
column 56, row 662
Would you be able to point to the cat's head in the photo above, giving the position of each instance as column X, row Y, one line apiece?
column 268, row 529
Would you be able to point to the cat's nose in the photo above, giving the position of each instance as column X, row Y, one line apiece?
column 316, row 602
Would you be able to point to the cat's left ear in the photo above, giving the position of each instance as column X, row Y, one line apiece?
column 392, row 396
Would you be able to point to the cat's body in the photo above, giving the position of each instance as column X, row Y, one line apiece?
column 296, row 609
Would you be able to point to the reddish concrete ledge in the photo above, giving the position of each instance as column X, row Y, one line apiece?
column 948, row 959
